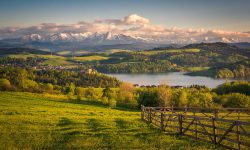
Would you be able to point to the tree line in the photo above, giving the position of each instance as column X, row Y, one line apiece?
column 113, row 93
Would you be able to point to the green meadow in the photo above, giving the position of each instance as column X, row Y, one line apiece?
column 39, row 121
column 90, row 58
column 154, row 52
column 53, row 60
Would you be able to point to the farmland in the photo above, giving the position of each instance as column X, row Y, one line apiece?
column 37, row 121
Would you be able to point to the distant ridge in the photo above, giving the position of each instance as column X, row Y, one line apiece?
column 9, row 51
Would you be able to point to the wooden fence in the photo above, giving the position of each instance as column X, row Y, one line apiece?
column 227, row 127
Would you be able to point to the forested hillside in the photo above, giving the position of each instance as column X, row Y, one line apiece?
column 218, row 60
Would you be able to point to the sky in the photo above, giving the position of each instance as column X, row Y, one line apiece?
column 195, row 20
column 233, row 15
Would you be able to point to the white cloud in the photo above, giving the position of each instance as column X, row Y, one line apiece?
column 130, row 25
column 135, row 19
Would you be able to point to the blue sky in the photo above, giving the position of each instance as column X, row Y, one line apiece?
column 233, row 15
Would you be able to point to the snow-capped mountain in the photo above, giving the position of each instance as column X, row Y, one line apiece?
column 219, row 39
column 58, row 37
column 107, row 38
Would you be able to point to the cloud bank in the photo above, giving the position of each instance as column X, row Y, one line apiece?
column 131, row 25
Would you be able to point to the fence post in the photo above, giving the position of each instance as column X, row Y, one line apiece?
column 150, row 115
column 214, row 130
column 238, row 115
column 142, row 112
column 238, row 134
column 196, row 133
column 180, row 123
column 216, row 111
column 162, row 121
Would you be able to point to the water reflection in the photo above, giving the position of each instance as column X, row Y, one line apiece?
column 172, row 79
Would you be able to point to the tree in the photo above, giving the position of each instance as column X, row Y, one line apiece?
column 5, row 85
column 148, row 97
column 126, row 95
column 164, row 93
column 112, row 103
column 49, row 88
column 93, row 93
column 199, row 98
column 70, row 89
column 183, row 99
column 22, row 77
column 237, row 100
column 79, row 91
column 107, row 92
column 205, row 100
column 30, row 85
column 225, row 73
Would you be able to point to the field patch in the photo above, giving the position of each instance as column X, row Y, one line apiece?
column 90, row 58
column 154, row 52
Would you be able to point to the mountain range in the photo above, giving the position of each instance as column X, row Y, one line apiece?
column 99, row 41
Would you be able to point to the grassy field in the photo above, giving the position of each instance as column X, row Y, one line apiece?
column 90, row 58
column 153, row 52
column 35, row 121
column 53, row 60
column 77, row 52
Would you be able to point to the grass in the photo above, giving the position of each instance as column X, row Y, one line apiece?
column 68, row 52
column 192, row 69
column 153, row 52
column 35, row 121
column 90, row 58
column 57, row 62
column 36, row 55
column 118, row 50
column 53, row 60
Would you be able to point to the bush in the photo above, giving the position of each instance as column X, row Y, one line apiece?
column 225, row 73
column 199, row 98
column 180, row 98
column 126, row 95
column 49, row 88
column 148, row 97
column 93, row 93
column 112, row 103
column 30, row 85
column 79, row 92
column 105, row 100
column 5, row 85
column 236, row 100
column 242, row 87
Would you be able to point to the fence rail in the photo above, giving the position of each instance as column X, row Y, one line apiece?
column 205, row 124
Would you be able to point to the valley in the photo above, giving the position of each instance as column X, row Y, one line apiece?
column 217, row 60
column 124, row 75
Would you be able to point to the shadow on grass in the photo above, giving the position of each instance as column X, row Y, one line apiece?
column 121, row 123
column 94, row 125
column 64, row 121
column 100, row 104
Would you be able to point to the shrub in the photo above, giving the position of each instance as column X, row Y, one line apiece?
column 126, row 95
column 112, row 103
column 148, row 97
column 5, row 85
column 79, row 92
column 93, row 93
column 105, row 100
column 225, row 73
column 49, row 88
column 242, row 87
column 236, row 100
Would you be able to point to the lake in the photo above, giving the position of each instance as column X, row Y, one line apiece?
column 172, row 79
